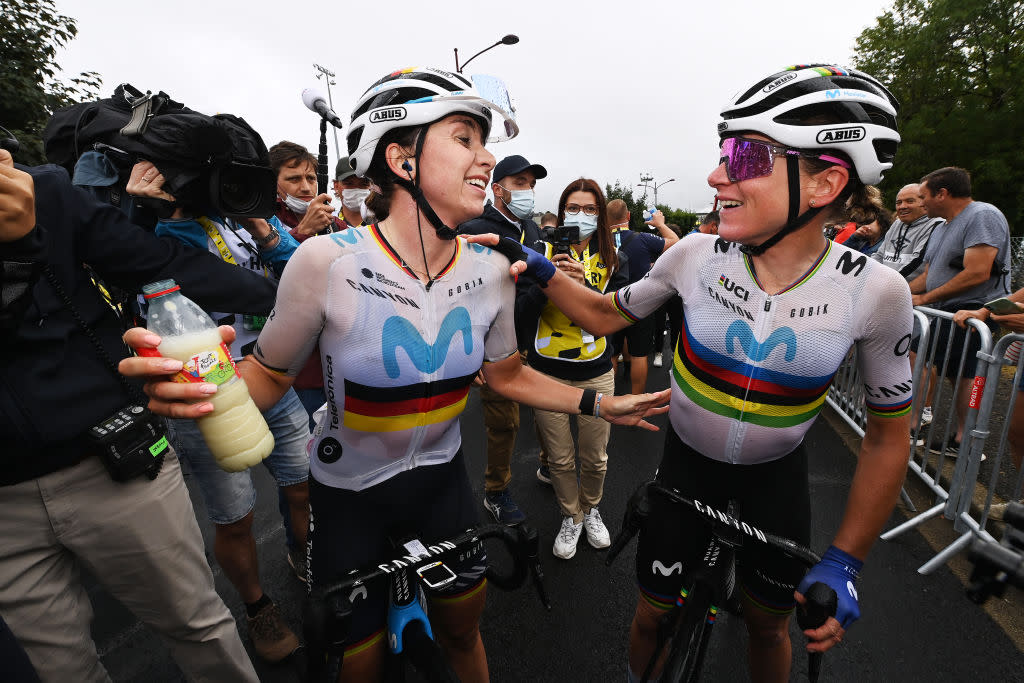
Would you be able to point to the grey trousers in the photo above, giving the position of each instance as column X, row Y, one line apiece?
column 141, row 541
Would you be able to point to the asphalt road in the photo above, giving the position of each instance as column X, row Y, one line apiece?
column 913, row 627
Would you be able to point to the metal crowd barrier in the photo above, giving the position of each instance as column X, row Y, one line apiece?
column 954, row 487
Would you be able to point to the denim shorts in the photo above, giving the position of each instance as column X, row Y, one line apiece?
column 230, row 496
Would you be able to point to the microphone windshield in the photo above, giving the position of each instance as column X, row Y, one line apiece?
column 310, row 96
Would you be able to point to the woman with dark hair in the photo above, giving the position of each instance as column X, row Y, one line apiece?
column 770, row 310
column 573, row 356
column 405, row 315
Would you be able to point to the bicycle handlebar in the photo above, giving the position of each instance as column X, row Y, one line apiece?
column 522, row 543
column 639, row 508
column 821, row 599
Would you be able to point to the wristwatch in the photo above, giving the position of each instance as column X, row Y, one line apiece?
column 264, row 241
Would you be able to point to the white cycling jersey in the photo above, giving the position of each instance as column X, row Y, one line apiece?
column 398, row 358
column 751, row 370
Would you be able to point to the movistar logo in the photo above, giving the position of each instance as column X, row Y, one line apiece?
column 346, row 236
column 758, row 351
column 657, row 566
column 400, row 333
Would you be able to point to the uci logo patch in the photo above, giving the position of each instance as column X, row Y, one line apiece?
column 389, row 114
column 850, row 134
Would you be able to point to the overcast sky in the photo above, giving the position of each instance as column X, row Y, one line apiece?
column 604, row 90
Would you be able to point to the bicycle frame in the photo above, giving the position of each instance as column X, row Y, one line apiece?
column 707, row 586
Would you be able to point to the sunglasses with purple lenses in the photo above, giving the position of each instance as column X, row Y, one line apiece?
column 746, row 159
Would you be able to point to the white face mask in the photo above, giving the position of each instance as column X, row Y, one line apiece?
column 587, row 224
column 295, row 204
column 353, row 198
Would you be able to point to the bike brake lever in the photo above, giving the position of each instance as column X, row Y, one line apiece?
column 820, row 605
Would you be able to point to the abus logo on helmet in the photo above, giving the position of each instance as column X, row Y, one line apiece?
column 389, row 114
column 723, row 126
column 852, row 134
column 779, row 81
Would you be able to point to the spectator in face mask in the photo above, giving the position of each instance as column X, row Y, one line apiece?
column 352, row 191
column 511, row 216
column 298, row 205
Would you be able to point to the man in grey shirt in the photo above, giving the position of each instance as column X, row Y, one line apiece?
column 904, row 244
column 966, row 264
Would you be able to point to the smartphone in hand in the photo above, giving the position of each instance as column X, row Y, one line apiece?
column 1004, row 306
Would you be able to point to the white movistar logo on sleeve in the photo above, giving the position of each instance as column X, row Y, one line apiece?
column 852, row 590
column 657, row 566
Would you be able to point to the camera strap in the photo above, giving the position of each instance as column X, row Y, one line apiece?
column 133, row 393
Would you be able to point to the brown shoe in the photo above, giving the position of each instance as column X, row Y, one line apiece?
column 271, row 637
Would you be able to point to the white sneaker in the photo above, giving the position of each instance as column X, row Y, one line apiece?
column 597, row 532
column 926, row 416
column 659, row 359
column 567, row 538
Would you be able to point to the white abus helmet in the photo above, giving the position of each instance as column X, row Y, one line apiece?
column 422, row 95
column 789, row 106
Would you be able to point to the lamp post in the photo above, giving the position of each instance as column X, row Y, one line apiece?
column 329, row 77
column 510, row 39
column 646, row 178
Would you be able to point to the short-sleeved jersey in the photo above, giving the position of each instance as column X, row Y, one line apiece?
column 398, row 357
column 751, row 370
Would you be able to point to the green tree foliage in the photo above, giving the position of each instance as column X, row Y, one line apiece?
column 31, row 31
column 686, row 220
column 955, row 66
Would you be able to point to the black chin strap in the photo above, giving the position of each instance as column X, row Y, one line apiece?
column 793, row 221
column 413, row 188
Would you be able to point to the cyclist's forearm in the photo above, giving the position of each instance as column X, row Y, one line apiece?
column 881, row 468
column 586, row 307
column 513, row 380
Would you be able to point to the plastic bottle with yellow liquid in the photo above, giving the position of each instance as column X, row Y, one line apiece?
column 235, row 431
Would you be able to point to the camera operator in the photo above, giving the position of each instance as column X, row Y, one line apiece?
column 298, row 205
column 59, row 507
column 230, row 497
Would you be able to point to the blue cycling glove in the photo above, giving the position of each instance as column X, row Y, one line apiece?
column 537, row 267
column 837, row 570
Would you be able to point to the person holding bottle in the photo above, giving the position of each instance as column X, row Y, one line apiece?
column 406, row 315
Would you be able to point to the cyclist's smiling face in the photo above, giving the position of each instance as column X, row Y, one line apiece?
column 456, row 168
column 752, row 210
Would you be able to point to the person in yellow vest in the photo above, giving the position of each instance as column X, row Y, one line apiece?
column 573, row 356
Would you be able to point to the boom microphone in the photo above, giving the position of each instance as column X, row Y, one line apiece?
column 315, row 101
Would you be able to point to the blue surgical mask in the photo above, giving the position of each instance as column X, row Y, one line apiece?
column 587, row 224
column 520, row 203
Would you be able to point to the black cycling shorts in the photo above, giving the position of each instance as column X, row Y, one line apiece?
column 352, row 530
column 772, row 496
column 640, row 336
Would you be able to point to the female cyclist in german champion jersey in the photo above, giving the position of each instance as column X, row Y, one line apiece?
column 405, row 315
column 771, row 310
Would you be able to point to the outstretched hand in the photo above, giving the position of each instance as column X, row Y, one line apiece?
column 17, row 200
column 490, row 239
column 166, row 397
column 631, row 409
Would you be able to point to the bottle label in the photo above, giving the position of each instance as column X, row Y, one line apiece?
column 213, row 366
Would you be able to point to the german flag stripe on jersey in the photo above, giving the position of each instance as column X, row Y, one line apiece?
column 393, row 409
column 393, row 255
column 720, row 384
